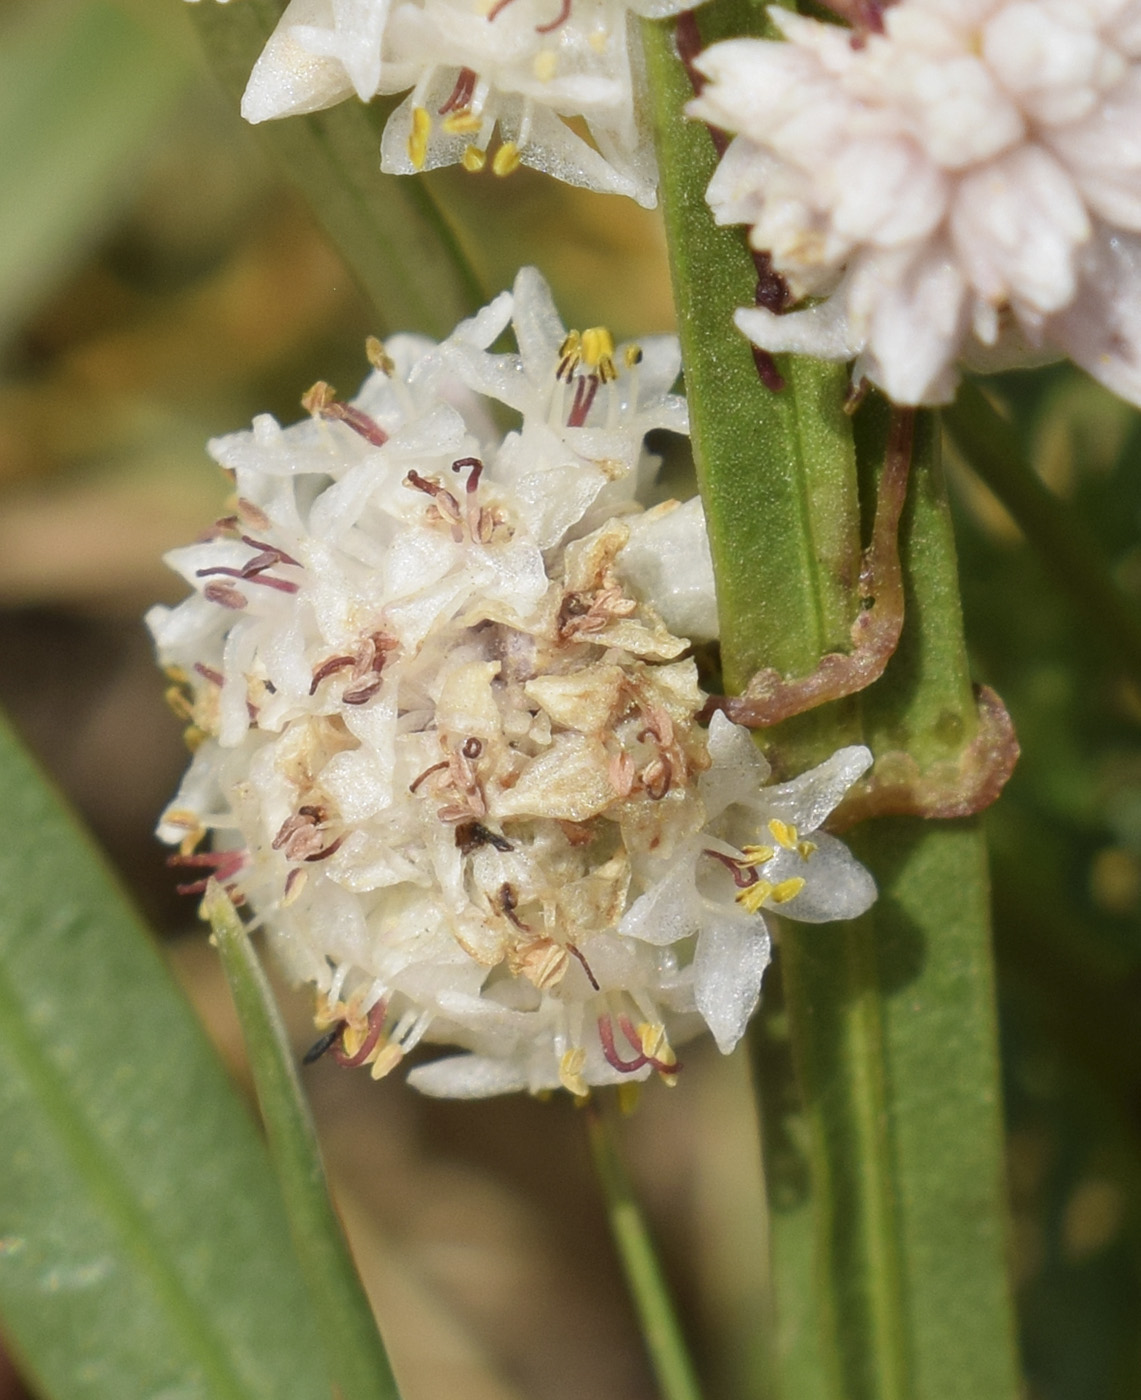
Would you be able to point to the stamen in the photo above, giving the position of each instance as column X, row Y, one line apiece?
column 783, row 834
column 327, row 668
column 506, row 159
column 743, row 875
column 435, row 768
column 375, row 1026
column 336, row 846
column 473, row 159
column 584, row 391
column 279, row 555
column 379, row 357
column 462, row 123
column 361, row 694
column 225, row 595
column 418, row 137
column 559, row 20
column 576, row 953
column 282, row 585
column 222, row 865
column 570, row 356
column 606, row 1036
column 461, row 93
column 322, row 402
column 755, row 895
column 509, row 902
column 787, row 889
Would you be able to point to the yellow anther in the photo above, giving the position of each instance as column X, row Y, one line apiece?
column 506, row 159
column 783, row 834
column 545, row 65
column 754, row 895
column 179, row 703
column 387, row 1057
column 805, row 848
column 353, row 1036
column 317, row 399
column 757, row 855
column 462, row 123
column 786, row 890
column 418, row 137
column 598, row 352
column 474, row 159
column 570, row 354
column 632, row 355
column 379, row 357
column 571, row 1067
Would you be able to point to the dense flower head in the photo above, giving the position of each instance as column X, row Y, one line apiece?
column 439, row 685
column 491, row 82
column 966, row 183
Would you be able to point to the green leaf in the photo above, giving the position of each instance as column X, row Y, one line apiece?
column 394, row 238
column 876, row 1044
column 81, row 93
column 143, row 1245
column 355, row 1351
column 661, row 1329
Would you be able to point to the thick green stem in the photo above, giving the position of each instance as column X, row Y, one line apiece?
column 876, row 1047
column 660, row 1328
column 355, row 1354
column 1068, row 553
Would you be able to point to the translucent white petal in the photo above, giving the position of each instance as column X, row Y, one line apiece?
column 730, row 961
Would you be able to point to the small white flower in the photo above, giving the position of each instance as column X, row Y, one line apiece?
column 447, row 748
column 509, row 71
column 966, row 184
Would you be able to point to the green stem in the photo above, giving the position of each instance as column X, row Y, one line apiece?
column 354, row 1350
column 1067, row 551
column 660, row 1328
column 876, row 1048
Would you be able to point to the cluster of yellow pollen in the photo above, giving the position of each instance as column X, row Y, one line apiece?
column 461, row 122
column 594, row 350
column 754, row 895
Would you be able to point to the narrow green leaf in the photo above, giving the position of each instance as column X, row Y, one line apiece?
column 143, row 1246
column 661, row 1330
column 395, row 239
column 876, row 1043
column 81, row 93
column 355, row 1352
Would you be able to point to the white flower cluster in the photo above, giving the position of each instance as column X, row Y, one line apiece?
column 966, row 183
column 445, row 731
column 477, row 70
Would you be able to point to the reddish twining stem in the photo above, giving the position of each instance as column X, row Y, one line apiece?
column 769, row 697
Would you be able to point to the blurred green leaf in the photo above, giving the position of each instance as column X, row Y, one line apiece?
column 82, row 93
column 143, row 1245
column 393, row 236
column 353, row 1346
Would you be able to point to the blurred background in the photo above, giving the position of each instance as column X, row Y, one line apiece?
column 160, row 283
